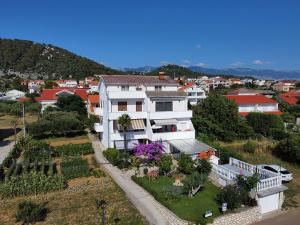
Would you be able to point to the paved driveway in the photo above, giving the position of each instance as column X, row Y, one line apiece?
column 286, row 218
column 5, row 147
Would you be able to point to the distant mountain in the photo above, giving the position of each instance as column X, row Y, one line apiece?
column 240, row 72
column 29, row 59
column 258, row 73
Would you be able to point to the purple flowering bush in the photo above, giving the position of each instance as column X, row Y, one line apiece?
column 152, row 151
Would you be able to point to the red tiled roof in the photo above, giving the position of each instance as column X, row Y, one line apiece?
column 94, row 99
column 291, row 97
column 187, row 85
column 269, row 113
column 24, row 99
column 250, row 99
column 51, row 94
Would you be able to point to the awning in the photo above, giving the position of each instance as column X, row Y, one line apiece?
column 165, row 122
column 135, row 125
column 190, row 146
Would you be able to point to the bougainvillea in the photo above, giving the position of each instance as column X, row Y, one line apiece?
column 152, row 151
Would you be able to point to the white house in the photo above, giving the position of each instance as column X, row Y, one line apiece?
column 14, row 94
column 268, row 191
column 67, row 83
column 157, row 110
column 255, row 103
column 195, row 94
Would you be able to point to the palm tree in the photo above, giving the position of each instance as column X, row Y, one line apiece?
column 124, row 121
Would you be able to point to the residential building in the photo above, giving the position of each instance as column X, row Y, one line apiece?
column 255, row 103
column 14, row 94
column 291, row 97
column 218, row 81
column 259, row 82
column 249, row 91
column 49, row 96
column 195, row 94
column 94, row 105
column 93, row 86
column 67, row 83
column 157, row 110
column 284, row 86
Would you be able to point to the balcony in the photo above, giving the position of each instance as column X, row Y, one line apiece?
column 133, row 115
column 130, row 135
column 126, row 95
column 98, row 127
column 170, row 114
column 167, row 136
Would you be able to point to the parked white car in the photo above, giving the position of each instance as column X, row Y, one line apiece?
column 285, row 174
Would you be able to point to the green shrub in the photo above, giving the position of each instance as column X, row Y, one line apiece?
column 112, row 155
column 30, row 212
column 75, row 149
column 185, row 164
column 74, row 167
column 30, row 183
column 97, row 172
column 250, row 146
column 231, row 195
column 165, row 164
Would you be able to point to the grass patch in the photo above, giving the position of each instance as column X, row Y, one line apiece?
column 75, row 149
column 81, row 139
column 74, row 167
column 191, row 209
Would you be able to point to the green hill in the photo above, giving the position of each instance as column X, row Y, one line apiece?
column 46, row 61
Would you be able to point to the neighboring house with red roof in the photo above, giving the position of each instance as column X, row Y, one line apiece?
column 255, row 103
column 94, row 105
column 291, row 97
column 49, row 96
column 195, row 94
column 284, row 86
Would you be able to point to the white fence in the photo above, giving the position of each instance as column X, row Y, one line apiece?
column 267, row 179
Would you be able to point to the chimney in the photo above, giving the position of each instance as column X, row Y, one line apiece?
column 161, row 75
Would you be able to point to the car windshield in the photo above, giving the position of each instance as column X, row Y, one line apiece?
column 284, row 172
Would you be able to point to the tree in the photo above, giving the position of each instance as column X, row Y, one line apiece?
column 203, row 166
column 124, row 122
column 72, row 103
column 192, row 183
column 218, row 117
column 186, row 164
column 152, row 151
column 49, row 84
column 266, row 125
column 250, row 146
column 289, row 148
column 230, row 195
column 165, row 164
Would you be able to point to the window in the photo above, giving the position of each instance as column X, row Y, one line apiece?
column 122, row 106
column 138, row 107
column 163, row 106
column 125, row 88
column 158, row 88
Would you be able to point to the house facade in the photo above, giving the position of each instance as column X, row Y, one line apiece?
column 195, row 94
column 157, row 110
column 94, row 105
column 255, row 103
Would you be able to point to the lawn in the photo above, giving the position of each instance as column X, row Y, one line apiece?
column 263, row 155
column 77, row 205
column 190, row 209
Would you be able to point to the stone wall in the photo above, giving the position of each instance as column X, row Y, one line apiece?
column 248, row 216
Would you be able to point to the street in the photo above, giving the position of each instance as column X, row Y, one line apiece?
column 5, row 147
column 286, row 218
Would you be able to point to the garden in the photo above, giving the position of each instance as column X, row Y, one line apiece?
column 182, row 185
column 57, row 185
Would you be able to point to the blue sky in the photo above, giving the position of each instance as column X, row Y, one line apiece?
column 131, row 33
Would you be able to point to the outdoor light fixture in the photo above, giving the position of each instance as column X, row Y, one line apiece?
column 101, row 204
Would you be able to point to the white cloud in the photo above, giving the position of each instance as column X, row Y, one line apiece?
column 186, row 61
column 198, row 46
column 201, row 64
column 237, row 64
column 259, row 62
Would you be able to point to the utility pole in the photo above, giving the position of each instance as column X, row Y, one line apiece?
column 24, row 128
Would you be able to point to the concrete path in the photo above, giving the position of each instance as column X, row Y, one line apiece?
column 154, row 212
column 5, row 148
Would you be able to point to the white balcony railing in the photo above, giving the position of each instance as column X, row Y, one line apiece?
column 167, row 136
column 126, row 95
column 133, row 115
column 268, row 183
column 170, row 114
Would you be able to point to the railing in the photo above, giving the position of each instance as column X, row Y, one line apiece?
column 224, row 172
column 268, row 183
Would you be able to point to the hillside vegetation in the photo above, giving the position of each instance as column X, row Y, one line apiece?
column 45, row 61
